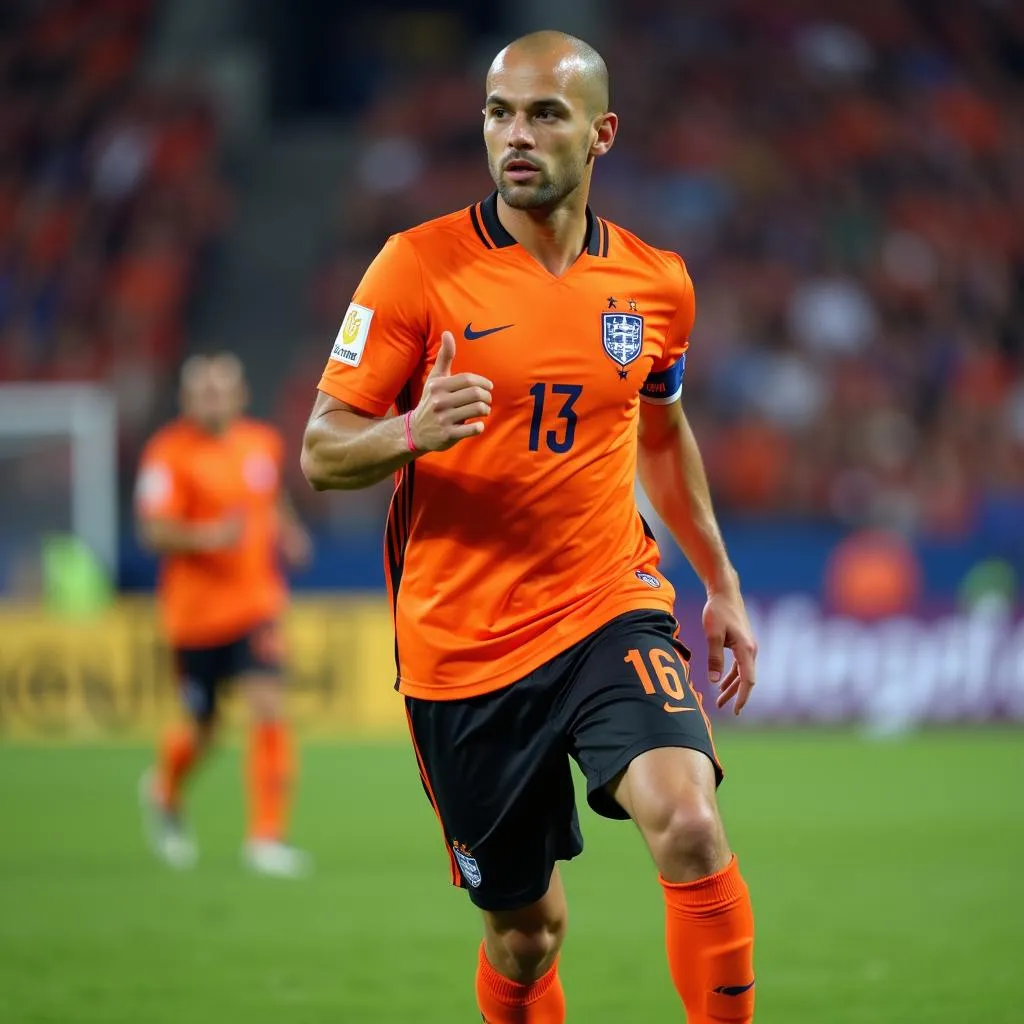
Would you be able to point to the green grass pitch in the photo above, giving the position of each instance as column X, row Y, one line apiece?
column 887, row 879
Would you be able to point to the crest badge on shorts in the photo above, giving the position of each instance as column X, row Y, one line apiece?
column 622, row 335
column 467, row 863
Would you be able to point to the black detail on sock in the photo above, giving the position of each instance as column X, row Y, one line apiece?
column 733, row 990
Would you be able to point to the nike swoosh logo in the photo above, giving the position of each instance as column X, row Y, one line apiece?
column 733, row 990
column 470, row 335
column 674, row 710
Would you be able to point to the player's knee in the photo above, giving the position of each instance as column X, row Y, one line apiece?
column 205, row 732
column 264, row 697
column 687, row 839
column 534, row 950
column 529, row 947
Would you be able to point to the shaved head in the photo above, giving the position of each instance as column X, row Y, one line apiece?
column 575, row 63
column 546, row 120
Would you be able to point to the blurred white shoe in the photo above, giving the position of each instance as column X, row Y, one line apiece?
column 270, row 857
column 166, row 833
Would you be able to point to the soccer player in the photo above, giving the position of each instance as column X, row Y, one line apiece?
column 209, row 502
column 532, row 622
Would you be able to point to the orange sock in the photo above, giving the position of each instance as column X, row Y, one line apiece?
column 502, row 1001
column 710, row 938
column 177, row 755
column 269, row 774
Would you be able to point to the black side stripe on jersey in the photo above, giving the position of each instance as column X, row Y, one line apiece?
column 647, row 529
column 605, row 233
column 397, row 537
column 474, row 217
column 399, row 524
column 399, row 517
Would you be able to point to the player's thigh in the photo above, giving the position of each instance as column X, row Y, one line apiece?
column 498, row 778
column 256, row 668
column 632, row 694
column 198, row 671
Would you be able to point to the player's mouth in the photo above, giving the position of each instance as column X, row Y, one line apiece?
column 521, row 170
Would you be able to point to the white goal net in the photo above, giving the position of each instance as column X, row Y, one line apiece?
column 58, row 475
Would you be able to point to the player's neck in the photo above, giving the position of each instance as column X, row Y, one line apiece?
column 211, row 428
column 554, row 238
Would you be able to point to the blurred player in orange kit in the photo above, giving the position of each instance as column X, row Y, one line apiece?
column 209, row 502
column 532, row 623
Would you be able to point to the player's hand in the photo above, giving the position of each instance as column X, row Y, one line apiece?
column 448, row 401
column 726, row 625
column 220, row 534
column 296, row 547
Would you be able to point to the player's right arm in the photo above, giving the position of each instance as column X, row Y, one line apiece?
column 173, row 537
column 350, row 442
column 344, row 449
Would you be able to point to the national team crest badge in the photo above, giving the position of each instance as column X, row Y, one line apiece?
column 467, row 863
column 622, row 335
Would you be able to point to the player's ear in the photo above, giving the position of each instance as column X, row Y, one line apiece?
column 606, row 127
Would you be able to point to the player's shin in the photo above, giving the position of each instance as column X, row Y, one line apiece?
column 709, row 936
column 179, row 750
column 503, row 1001
column 270, row 770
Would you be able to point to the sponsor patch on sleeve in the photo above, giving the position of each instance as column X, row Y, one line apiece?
column 351, row 339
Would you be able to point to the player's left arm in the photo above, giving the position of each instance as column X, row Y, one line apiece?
column 672, row 474
column 294, row 539
column 671, row 471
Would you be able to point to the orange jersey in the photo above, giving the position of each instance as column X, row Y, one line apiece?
column 513, row 545
column 190, row 476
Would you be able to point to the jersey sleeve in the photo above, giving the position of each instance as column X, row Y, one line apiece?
column 160, row 489
column 664, row 384
column 382, row 337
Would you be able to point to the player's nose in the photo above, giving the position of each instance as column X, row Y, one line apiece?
column 519, row 135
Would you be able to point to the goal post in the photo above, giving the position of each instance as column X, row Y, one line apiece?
column 85, row 417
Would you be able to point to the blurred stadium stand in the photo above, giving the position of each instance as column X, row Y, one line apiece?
column 845, row 181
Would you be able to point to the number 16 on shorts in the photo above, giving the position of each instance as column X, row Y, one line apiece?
column 669, row 669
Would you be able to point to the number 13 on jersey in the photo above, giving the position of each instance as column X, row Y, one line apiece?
column 558, row 440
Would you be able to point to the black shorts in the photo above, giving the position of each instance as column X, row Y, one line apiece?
column 496, row 767
column 202, row 672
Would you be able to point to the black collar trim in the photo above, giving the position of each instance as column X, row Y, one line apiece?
column 494, row 236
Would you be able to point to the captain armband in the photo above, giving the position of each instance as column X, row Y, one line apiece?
column 665, row 386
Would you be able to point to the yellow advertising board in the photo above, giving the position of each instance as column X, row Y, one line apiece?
column 111, row 677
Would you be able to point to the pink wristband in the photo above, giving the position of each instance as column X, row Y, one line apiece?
column 408, row 431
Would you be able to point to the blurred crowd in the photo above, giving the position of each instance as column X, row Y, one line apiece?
column 110, row 198
column 846, row 183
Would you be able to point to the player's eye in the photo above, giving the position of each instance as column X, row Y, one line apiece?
column 498, row 112
column 546, row 114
